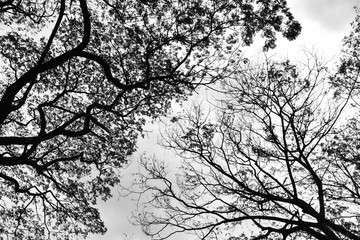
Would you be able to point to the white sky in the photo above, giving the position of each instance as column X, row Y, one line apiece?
column 324, row 24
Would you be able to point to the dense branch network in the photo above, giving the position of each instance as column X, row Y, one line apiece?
column 269, row 164
column 78, row 79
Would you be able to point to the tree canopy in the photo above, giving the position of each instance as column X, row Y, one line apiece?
column 78, row 78
column 276, row 158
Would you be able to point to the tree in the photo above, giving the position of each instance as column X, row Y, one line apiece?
column 274, row 162
column 346, row 80
column 78, row 79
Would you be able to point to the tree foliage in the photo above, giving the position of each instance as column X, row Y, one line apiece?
column 77, row 79
column 273, row 162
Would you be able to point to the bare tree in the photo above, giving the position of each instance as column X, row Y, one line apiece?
column 264, row 166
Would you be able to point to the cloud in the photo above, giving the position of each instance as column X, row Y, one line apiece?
column 331, row 15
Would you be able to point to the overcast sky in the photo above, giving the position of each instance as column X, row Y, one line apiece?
column 324, row 24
